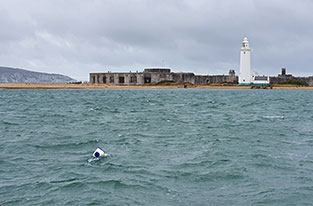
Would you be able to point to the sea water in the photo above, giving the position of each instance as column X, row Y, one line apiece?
column 166, row 147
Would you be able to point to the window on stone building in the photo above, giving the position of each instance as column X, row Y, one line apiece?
column 133, row 79
column 111, row 79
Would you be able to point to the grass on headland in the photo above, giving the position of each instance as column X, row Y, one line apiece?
column 295, row 82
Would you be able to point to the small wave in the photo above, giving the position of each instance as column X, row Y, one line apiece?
column 63, row 181
column 116, row 184
column 74, row 185
column 274, row 117
column 8, row 123
column 67, row 145
column 91, row 160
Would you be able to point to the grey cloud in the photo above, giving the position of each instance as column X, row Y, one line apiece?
column 75, row 37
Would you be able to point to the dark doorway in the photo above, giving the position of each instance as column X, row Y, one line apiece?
column 121, row 80
column 147, row 80
column 104, row 80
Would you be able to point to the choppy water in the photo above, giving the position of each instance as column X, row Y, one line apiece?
column 167, row 147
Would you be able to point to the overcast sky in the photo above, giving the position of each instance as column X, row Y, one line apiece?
column 76, row 37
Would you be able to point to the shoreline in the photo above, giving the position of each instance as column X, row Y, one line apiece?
column 104, row 86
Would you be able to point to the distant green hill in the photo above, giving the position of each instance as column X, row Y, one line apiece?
column 13, row 75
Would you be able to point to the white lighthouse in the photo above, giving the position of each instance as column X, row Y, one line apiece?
column 245, row 64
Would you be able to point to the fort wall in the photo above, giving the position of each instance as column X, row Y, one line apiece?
column 282, row 79
column 157, row 75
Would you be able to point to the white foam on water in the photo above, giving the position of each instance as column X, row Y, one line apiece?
column 94, row 159
column 273, row 117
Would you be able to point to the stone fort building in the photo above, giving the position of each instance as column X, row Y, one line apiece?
column 284, row 77
column 156, row 75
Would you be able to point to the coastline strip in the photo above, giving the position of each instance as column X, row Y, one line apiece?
column 104, row 86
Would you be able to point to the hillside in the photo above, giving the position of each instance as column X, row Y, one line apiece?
column 12, row 75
